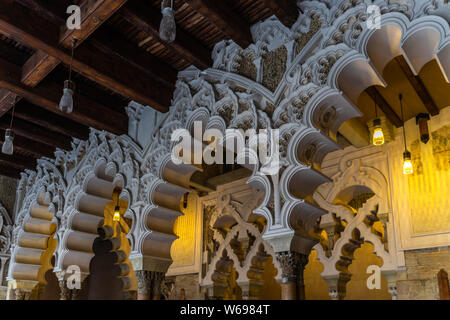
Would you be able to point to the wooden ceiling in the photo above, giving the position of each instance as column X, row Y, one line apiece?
column 118, row 58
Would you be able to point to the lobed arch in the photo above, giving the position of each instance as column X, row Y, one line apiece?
column 354, row 177
column 87, row 213
column 244, row 266
column 35, row 246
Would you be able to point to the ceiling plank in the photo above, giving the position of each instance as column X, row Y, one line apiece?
column 285, row 10
column 7, row 99
column 147, row 19
column 26, row 111
column 47, row 95
column 418, row 86
column 37, row 133
column 221, row 15
column 116, row 44
column 109, row 71
column 384, row 106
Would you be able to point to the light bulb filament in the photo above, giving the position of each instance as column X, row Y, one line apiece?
column 407, row 164
column 116, row 216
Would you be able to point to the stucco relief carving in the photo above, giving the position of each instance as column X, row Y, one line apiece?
column 312, row 82
column 237, row 235
column 5, row 231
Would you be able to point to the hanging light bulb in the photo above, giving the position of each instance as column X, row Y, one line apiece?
column 66, row 103
column 407, row 164
column 116, row 216
column 8, row 147
column 378, row 136
column 167, row 28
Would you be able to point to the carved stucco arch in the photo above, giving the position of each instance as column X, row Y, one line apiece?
column 83, row 217
column 34, row 243
column 309, row 87
column 42, row 200
column 352, row 173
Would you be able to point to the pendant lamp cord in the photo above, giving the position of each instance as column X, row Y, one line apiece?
column 13, row 108
column 403, row 119
column 163, row 6
column 71, row 58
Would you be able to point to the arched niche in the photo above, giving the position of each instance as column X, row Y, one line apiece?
column 357, row 288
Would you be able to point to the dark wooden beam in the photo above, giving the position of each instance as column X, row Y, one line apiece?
column 384, row 106
column 7, row 99
column 18, row 162
column 418, row 86
column 93, row 15
column 26, row 111
column 41, row 64
column 109, row 71
column 113, row 42
column 221, row 15
column 25, row 145
column 37, row 133
column 147, row 19
column 7, row 171
column 285, row 10
column 47, row 95
column 37, row 68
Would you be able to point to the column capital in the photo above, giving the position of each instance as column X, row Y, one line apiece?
column 292, row 264
column 66, row 293
column 333, row 287
column 391, row 277
column 149, row 283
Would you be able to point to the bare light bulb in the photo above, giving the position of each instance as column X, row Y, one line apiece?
column 167, row 28
column 378, row 136
column 66, row 103
column 8, row 147
column 116, row 216
column 407, row 164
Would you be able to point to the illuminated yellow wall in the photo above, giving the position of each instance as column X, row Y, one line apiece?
column 357, row 286
column 183, row 249
column 315, row 287
column 429, row 185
